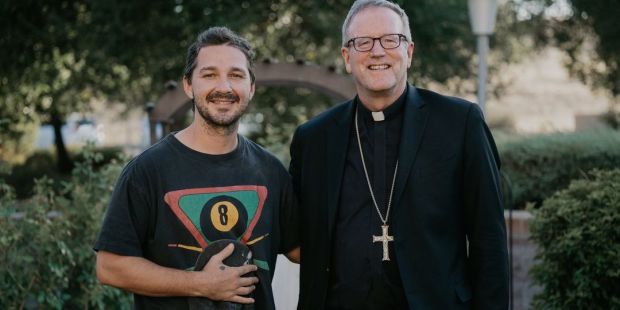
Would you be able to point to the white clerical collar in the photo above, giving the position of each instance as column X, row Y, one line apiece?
column 378, row 116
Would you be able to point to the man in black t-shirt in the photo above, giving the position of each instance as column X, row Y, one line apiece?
column 202, row 184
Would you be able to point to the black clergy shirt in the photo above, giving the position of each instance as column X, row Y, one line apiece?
column 359, row 279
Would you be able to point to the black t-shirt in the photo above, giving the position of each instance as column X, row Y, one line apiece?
column 171, row 201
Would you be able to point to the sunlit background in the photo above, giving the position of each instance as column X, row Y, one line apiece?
column 76, row 78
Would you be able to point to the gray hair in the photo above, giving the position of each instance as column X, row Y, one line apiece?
column 218, row 36
column 360, row 5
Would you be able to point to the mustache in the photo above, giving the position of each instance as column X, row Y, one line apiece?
column 222, row 96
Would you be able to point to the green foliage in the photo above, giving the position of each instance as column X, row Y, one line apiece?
column 600, row 17
column 442, row 34
column 588, row 34
column 14, row 150
column 541, row 165
column 612, row 118
column 46, row 242
column 578, row 231
column 60, row 55
column 22, row 177
column 41, row 163
column 273, row 124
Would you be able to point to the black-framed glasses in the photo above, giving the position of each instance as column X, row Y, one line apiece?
column 365, row 44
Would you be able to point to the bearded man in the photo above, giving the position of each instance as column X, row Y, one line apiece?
column 203, row 184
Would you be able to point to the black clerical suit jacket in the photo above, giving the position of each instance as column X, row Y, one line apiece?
column 447, row 215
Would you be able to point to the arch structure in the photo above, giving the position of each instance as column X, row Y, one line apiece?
column 171, row 108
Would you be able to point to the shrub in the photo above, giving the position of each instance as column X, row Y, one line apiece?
column 539, row 166
column 17, row 139
column 578, row 233
column 612, row 118
column 21, row 177
column 46, row 242
column 43, row 163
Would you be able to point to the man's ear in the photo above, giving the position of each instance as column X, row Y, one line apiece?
column 187, row 87
column 410, row 49
column 252, row 90
column 345, row 57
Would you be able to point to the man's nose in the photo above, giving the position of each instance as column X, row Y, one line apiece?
column 223, row 84
column 377, row 49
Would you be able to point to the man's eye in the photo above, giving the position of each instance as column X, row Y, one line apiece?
column 363, row 43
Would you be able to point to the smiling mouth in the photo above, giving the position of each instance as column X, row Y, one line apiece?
column 378, row 67
column 222, row 101
column 222, row 98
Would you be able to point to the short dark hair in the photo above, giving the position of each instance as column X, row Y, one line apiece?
column 218, row 36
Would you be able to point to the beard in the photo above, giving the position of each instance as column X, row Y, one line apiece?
column 218, row 121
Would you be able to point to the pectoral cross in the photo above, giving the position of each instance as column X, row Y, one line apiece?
column 384, row 238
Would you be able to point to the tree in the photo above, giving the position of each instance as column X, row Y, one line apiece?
column 586, row 30
column 62, row 54
column 600, row 18
column 33, row 66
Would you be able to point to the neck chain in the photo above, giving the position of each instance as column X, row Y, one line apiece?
column 385, row 237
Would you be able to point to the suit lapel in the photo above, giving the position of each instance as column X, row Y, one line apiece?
column 337, row 136
column 414, row 124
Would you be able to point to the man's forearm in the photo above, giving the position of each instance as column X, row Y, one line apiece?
column 216, row 281
column 144, row 277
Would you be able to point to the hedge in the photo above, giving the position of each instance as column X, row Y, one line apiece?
column 46, row 242
column 43, row 163
column 578, row 233
column 541, row 165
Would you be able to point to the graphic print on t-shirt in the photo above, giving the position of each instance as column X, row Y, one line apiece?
column 215, row 213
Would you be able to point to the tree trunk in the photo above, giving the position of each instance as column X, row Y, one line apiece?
column 63, row 161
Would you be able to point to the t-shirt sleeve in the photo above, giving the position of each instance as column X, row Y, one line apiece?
column 289, row 216
column 125, row 223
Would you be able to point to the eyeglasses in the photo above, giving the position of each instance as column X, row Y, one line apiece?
column 365, row 44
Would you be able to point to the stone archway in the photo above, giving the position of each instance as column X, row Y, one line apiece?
column 171, row 107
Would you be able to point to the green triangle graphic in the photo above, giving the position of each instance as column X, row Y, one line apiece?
column 192, row 205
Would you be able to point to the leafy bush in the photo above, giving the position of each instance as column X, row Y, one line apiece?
column 612, row 118
column 43, row 163
column 46, row 242
column 39, row 164
column 578, row 231
column 17, row 139
column 539, row 166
